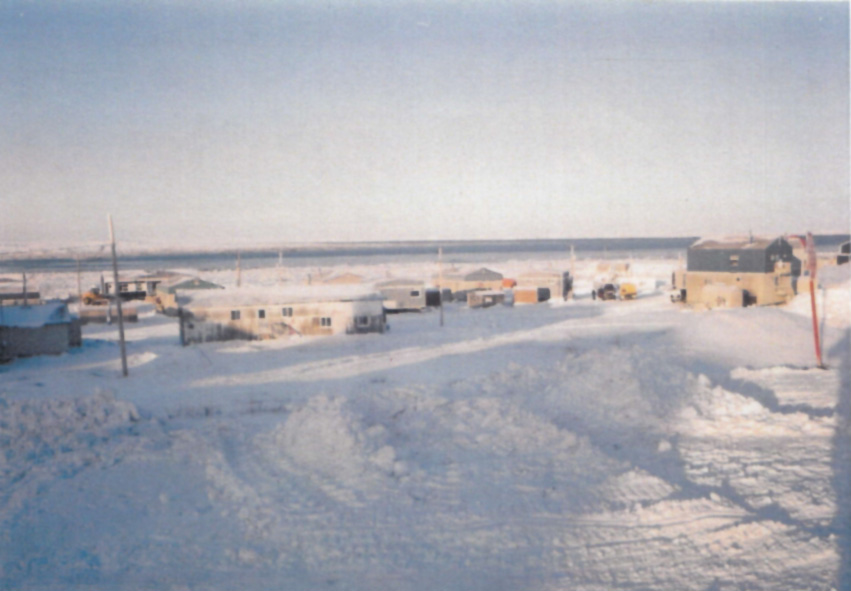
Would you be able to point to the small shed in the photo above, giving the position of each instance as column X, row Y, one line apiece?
column 485, row 298
column 552, row 284
column 43, row 329
column 265, row 313
column 402, row 295
column 531, row 295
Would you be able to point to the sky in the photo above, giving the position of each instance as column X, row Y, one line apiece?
column 224, row 122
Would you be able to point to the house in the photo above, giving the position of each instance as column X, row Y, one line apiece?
column 165, row 299
column 265, row 313
column 461, row 283
column 403, row 294
column 42, row 329
column 548, row 284
column 140, row 287
column 765, row 270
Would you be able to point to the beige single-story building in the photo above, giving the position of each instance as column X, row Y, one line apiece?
column 267, row 313
column 480, row 279
column 42, row 329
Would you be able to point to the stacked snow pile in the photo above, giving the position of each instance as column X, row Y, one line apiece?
column 327, row 440
column 42, row 439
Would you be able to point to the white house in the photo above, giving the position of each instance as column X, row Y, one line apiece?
column 267, row 313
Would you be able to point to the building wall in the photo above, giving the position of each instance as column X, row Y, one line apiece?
column 552, row 281
column 526, row 295
column 51, row 339
column 766, row 288
column 461, row 285
column 320, row 318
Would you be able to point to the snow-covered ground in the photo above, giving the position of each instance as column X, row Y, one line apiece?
column 579, row 445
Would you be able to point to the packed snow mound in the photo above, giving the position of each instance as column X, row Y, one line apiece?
column 54, row 420
column 328, row 441
column 49, row 439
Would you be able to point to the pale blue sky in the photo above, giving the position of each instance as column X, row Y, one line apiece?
column 204, row 122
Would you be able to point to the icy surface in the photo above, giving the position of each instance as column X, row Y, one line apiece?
column 571, row 445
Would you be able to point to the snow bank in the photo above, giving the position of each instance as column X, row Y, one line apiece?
column 769, row 458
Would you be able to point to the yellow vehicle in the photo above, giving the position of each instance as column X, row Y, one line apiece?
column 628, row 291
column 94, row 298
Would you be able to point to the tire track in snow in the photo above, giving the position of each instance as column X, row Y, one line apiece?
column 355, row 365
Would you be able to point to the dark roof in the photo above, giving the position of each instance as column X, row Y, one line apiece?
column 738, row 243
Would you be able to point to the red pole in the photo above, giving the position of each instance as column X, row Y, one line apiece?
column 812, row 261
column 812, row 266
column 815, row 321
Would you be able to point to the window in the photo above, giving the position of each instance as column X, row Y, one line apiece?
column 261, row 313
column 286, row 312
column 234, row 314
column 362, row 320
column 123, row 287
column 734, row 260
column 326, row 322
column 415, row 293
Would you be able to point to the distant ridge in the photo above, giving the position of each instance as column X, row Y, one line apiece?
column 94, row 257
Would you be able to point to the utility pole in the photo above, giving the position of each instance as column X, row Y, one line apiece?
column 238, row 269
column 79, row 287
column 440, row 281
column 117, row 296
column 26, row 303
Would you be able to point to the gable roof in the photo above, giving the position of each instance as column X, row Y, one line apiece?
column 735, row 243
column 482, row 274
